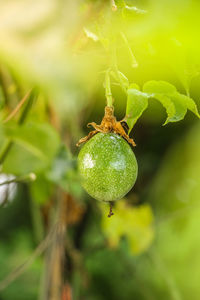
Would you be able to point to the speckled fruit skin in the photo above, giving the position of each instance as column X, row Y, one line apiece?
column 107, row 166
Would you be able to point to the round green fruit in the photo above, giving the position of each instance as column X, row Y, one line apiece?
column 107, row 166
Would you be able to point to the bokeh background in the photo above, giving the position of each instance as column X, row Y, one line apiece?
column 57, row 51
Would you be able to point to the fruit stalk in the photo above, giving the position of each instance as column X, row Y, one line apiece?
column 109, row 98
column 110, row 211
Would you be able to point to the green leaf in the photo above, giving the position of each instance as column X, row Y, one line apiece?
column 191, row 105
column 35, row 145
column 137, row 102
column 136, row 223
column 175, row 103
column 39, row 139
column 167, row 104
column 158, row 87
column 19, row 161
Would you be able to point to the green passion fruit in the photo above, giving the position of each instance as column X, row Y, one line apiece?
column 107, row 167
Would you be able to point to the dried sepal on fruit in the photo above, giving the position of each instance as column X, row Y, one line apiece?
column 109, row 124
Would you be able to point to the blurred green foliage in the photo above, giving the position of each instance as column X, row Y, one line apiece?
column 133, row 222
column 150, row 248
